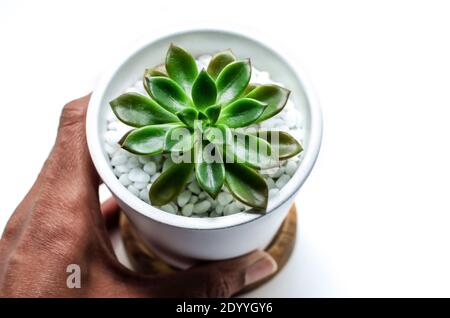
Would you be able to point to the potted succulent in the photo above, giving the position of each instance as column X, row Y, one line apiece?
column 192, row 116
column 204, row 152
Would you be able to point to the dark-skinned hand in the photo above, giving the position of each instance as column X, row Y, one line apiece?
column 60, row 222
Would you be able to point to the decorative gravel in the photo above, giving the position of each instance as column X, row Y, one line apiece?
column 137, row 173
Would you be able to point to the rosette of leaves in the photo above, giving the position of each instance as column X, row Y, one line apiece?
column 190, row 112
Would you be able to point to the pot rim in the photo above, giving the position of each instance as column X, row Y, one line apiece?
column 121, row 193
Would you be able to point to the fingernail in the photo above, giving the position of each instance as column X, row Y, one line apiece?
column 261, row 269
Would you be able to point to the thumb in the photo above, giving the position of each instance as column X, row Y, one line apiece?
column 218, row 279
column 69, row 160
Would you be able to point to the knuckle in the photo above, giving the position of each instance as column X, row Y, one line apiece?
column 11, row 230
column 72, row 113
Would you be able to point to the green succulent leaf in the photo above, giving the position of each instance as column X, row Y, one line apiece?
column 281, row 143
column 250, row 87
column 219, row 134
column 181, row 67
column 202, row 116
column 232, row 81
column 241, row 113
column 246, row 185
column 178, row 139
column 159, row 70
column 170, row 183
column 122, row 140
column 188, row 116
column 168, row 94
column 204, row 91
column 209, row 169
column 273, row 95
column 251, row 150
column 219, row 61
column 148, row 140
column 213, row 113
column 137, row 110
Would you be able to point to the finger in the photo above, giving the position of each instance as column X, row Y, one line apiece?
column 110, row 211
column 218, row 279
column 70, row 156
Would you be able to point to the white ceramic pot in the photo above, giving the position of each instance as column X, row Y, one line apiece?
column 182, row 239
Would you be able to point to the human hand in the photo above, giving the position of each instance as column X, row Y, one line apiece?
column 60, row 222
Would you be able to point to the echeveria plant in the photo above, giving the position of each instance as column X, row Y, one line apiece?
column 193, row 115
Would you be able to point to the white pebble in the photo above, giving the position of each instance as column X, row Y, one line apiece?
column 291, row 167
column 113, row 125
column 144, row 159
column 123, row 169
column 204, row 59
column 112, row 137
column 194, row 188
column 278, row 172
column 125, row 180
column 193, row 199
column 133, row 190
column 183, row 198
column 110, row 149
column 111, row 116
column 169, row 208
column 231, row 209
column 202, row 195
column 219, row 209
column 240, row 205
column 201, row 207
column 212, row 201
column 187, row 209
column 138, row 175
column 214, row 214
column 121, row 151
column 117, row 172
column 224, row 198
column 281, row 182
column 270, row 183
column 144, row 195
column 133, row 162
column 119, row 159
column 140, row 185
column 273, row 192
column 150, row 167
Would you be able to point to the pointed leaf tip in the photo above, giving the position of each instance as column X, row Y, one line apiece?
column 241, row 113
column 274, row 96
column 168, row 93
column 204, row 91
column 170, row 183
column 219, row 61
column 181, row 67
column 137, row 110
column 232, row 81
column 246, row 185
column 209, row 169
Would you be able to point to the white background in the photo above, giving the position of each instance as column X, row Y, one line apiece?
column 374, row 214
